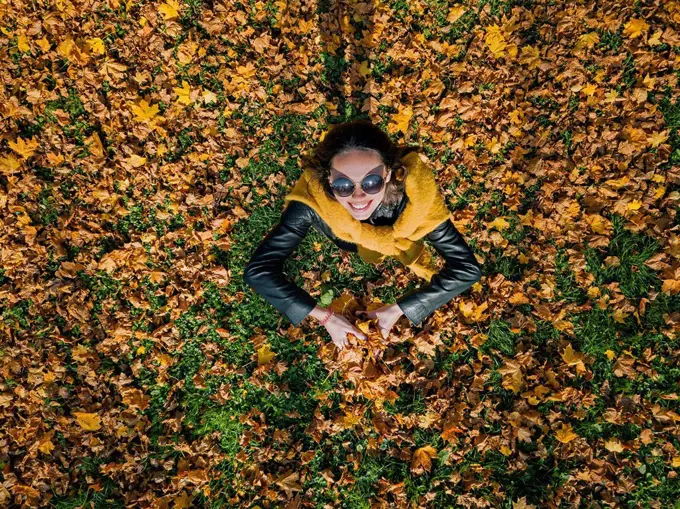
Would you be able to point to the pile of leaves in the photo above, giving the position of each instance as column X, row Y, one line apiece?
column 146, row 148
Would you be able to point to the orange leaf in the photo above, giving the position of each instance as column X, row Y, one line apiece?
column 422, row 459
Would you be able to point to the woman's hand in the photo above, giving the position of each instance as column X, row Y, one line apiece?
column 386, row 317
column 338, row 327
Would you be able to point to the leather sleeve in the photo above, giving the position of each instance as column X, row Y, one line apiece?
column 459, row 273
column 264, row 272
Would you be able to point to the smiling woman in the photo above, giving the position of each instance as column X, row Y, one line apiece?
column 375, row 198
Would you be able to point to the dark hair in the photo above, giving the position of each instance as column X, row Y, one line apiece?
column 364, row 135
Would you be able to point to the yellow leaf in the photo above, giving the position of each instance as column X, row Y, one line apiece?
column 401, row 119
column 136, row 161
column 495, row 40
column 635, row 27
column 364, row 70
column 88, row 421
column 22, row 43
column 46, row 446
column 455, row 13
column 572, row 358
column 610, row 354
column 505, row 450
column 518, row 298
column 634, row 205
column 363, row 326
column 593, row 292
column 264, row 355
column 96, row 45
column 587, row 40
column 655, row 39
column 659, row 191
column 675, row 463
column 589, row 89
column 183, row 93
column 599, row 224
column 499, row 223
column 65, row 48
column 25, row 148
column 620, row 316
column 169, row 10
column 9, row 164
column 565, row 434
column 656, row 139
column 144, row 111
column 530, row 56
column 613, row 445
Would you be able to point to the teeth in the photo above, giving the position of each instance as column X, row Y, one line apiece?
column 359, row 208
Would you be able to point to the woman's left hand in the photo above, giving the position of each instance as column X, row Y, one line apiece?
column 386, row 317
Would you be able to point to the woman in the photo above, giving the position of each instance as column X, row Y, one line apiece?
column 374, row 198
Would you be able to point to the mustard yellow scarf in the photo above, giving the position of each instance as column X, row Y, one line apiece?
column 424, row 211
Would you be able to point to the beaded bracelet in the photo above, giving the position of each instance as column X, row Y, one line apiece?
column 327, row 317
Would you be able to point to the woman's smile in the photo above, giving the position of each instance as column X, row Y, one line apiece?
column 360, row 207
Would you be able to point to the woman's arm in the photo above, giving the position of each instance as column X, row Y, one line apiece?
column 264, row 272
column 459, row 273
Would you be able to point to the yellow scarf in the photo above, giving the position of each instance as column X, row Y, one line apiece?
column 425, row 210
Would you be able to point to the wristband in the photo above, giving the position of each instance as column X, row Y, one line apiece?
column 327, row 317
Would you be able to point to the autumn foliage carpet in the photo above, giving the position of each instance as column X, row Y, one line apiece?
column 146, row 149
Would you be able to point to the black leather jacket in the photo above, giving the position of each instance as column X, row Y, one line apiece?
column 264, row 271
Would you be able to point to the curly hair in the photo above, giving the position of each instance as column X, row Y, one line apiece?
column 362, row 135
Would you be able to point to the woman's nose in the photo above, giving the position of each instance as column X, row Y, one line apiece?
column 358, row 193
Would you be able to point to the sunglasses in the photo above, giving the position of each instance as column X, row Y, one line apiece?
column 371, row 184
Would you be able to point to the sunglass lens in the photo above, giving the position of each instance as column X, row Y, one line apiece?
column 343, row 186
column 372, row 184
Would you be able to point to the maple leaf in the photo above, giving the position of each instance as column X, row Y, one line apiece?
column 513, row 378
column 455, row 13
column 88, row 421
column 264, row 354
column 136, row 161
column 587, row 40
column 572, row 358
column 565, row 434
column 23, row 43
column 364, row 69
column 613, row 445
column 25, row 148
column 400, row 120
column 183, row 93
column 670, row 286
column 530, row 56
column 9, row 164
column 495, row 40
column 170, row 10
column 288, row 482
column 635, row 27
column 499, row 223
column 656, row 139
column 46, row 446
column 422, row 459
column 144, row 112
column 96, row 45
column 472, row 311
column 522, row 504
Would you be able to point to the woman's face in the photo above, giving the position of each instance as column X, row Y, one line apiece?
column 355, row 165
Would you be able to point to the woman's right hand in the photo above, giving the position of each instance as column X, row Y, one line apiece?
column 338, row 327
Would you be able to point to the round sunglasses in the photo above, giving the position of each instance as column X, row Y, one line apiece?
column 371, row 184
